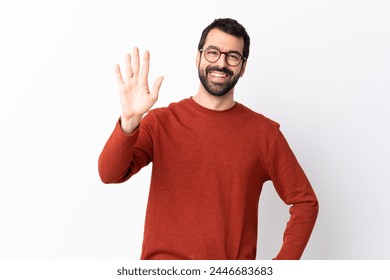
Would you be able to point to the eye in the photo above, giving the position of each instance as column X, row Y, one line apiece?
column 212, row 52
column 234, row 57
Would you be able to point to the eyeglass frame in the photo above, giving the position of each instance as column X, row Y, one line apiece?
column 243, row 58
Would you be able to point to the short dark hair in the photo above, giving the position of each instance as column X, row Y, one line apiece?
column 229, row 26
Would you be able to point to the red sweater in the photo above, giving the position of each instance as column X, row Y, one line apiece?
column 208, row 171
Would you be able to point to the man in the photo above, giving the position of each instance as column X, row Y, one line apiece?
column 211, row 156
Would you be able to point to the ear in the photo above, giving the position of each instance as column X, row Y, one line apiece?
column 242, row 71
column 197, row 59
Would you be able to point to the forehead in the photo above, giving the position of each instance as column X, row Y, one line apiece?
column 224, row 41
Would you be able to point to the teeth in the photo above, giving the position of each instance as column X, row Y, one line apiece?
column 219, row 75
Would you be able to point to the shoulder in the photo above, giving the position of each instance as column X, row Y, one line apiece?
column 172, row 108
column 164, row 113
column 257, row 119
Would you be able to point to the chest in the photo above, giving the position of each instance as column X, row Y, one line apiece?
column 214, row 147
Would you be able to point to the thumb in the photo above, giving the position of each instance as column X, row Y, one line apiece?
column 156, row 87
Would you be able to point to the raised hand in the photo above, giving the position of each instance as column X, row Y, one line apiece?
column 136, row 98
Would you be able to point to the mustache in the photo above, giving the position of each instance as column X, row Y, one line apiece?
column 223, row 70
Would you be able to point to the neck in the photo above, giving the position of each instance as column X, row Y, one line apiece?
column 212, row 102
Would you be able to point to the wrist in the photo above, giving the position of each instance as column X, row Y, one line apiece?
column 129, row 125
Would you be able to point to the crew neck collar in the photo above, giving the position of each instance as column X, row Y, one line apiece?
column 212, row 112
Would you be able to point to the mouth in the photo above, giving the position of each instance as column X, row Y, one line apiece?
column 218, row 74
column 218, row 77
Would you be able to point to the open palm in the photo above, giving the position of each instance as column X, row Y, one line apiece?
column 136, row 98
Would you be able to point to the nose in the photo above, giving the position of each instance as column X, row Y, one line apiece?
column 222, row 61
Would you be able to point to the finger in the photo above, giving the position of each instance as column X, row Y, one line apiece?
column 145, row 66
column 156, row 87
column 129, row 71
column 118, row 74
column 135, row 61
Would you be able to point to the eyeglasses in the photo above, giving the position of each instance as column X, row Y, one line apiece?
column 232, row 58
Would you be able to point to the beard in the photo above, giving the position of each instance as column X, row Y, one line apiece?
column 217, row 89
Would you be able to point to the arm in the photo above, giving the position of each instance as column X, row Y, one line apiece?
column 294, row 189
column 124, row 155
column 121, row 158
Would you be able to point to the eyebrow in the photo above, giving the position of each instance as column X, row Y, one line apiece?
column 214, row 47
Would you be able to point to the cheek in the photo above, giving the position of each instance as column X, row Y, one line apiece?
column 242, row 71
column 237, row 75
column 202, row 67
column 199, row 60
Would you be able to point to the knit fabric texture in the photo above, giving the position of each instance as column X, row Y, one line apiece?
column 208, row 169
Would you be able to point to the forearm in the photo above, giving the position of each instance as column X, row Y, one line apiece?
column 294, row 189
column 129, row 125
column 298, row 229
column 116, row 156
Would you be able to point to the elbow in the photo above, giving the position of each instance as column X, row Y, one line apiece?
column 106, row 180
column 109, row 179
column 309, row 206
column 105, row 173
column 314, row 207
column 107, row 176
column 104, row 176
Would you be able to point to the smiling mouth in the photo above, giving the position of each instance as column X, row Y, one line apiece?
column 218, row 74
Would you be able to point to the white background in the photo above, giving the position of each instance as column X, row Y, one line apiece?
column 319, row 68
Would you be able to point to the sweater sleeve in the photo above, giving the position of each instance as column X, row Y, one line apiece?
column 124, row 155
column 294, row 189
